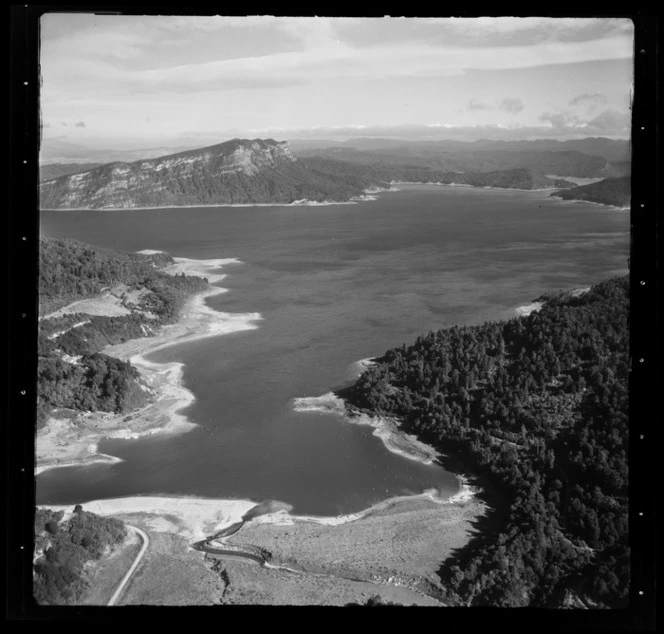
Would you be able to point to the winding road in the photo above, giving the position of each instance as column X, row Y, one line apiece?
column 146, row 541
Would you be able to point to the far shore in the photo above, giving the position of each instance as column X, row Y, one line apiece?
column 368, row 195
column 508, row 189
column 592, row 202
column 64, row 444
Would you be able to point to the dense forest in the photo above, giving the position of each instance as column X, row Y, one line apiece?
column 63, row 549
column 70, row 270
column 610, row 191
column 539, row 406
column 72, row 373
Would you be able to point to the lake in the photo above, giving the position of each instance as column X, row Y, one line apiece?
column 334, row 284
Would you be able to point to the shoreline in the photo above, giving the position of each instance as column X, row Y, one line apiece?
column 510, row 189
column 63, row 444
column 527, row 309
column 196, row 517
column 537, row 304
column 592, row 202
column 393, row 548
column 367, row 196
column 385, row 428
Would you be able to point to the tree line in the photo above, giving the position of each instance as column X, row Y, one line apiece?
column 63, row 548
column 86, row 379
column 539, row 405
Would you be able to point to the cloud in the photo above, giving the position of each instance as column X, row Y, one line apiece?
column 473, row 104
column 509, row 104
column 567, row 128
column 125, row 54
column 80, row 124
column 595, row 98
column 513, row 106
column 64, row 123
column 611, row 120
column 553, row 28
column 607, row 123
column 560, row 119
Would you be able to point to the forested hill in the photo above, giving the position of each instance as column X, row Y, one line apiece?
column 70, row 270
column 65, row 550
column 538, row 405
column 72, row 373
column 610, row 191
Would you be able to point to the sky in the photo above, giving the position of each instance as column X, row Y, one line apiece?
column 132, row 81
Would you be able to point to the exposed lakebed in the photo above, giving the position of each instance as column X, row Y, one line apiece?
column 333, row 284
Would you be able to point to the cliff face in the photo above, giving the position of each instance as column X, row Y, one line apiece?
column 238, row 171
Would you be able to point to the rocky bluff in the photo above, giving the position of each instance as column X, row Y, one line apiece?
column 240, row 171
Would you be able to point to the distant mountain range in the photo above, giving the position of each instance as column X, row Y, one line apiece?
column 610, row 191
column 564, row 162
column 257, row 171
column 612, row 150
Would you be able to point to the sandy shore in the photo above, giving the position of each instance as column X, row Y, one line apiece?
column 524, row 311
column 189, row 517
column 527, row 309
column 65, row 442
column 387, row 429
column 591, row 203
column 392, row 549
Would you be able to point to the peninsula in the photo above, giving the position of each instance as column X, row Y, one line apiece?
column 93, row 379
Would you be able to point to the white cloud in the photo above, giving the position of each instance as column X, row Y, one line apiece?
column 474, row 104
column 609, row 122
column 114, row 71
column 586, row 98
column 320, row 64
column 511, row 105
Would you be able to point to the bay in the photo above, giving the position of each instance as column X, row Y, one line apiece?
column 334, row 284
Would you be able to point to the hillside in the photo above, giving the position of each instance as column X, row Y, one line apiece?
column 236, row 172
column 55, row 170
column 610, row 191
column 260, row 171
column 537, row 405
column 72, row 373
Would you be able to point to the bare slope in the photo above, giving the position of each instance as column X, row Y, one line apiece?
column 240, row 171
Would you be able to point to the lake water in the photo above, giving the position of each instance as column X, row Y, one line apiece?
column 334, row 284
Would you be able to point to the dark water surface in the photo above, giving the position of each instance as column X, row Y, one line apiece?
column 334, row 284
